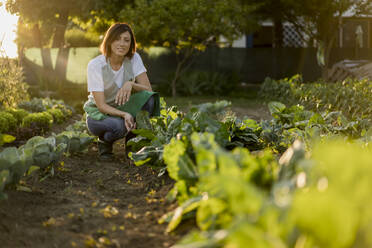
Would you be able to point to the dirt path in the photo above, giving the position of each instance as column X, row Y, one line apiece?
column 89, row 203
column 258, row 113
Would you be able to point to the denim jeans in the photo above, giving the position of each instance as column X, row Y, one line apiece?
column 111, row 129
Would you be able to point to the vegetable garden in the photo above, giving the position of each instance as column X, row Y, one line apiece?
column 197, row 178
column 289, row 167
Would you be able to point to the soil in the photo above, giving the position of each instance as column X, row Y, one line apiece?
column 92, row 203
column 89, row 203
column 258, row 113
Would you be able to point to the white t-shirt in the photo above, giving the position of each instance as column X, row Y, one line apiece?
column 94, row 72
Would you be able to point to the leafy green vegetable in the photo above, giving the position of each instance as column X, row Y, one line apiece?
column 74, row 141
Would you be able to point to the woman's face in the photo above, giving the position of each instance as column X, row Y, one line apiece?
column 120, row 46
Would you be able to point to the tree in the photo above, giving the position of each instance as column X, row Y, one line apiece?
column 51, row 16
column 186, row 26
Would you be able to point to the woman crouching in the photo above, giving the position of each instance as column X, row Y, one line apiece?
column 119, row 88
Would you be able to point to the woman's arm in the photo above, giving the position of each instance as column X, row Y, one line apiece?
column 143, row 83
column 104, row 108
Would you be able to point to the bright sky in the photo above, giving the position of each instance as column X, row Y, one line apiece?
column 8, row 25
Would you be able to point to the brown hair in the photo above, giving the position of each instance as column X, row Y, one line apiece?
column 112, row 34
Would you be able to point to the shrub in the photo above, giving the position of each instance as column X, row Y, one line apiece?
column 57, row 114
column 66, row 111
column 352, row 97
column 202, row 83
column 12, row 87
column 79, row 38
column 4, row 126
column 41, row 120
column 43, row 104
column 8, row 122
column 18, row 113
column 35, row 105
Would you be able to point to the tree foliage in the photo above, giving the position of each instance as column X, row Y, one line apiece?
column 186, row 26
column 48, row 19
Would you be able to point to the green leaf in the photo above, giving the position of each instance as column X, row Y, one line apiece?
column 173, row 127
column 74, row 145
column 85, row 141
column 276, row 107
column 143, row 120
column 147, row 133
column 205, row 151
column 250, row 123
column 34, row 140
column 62, row 138
column 147, row 154
column 42, row 155
column 316, row 119
column 208, row 212
column 4, row 179
column 138, row 143
column 8, row 157
column 186, row 207
column 32, row 169
column 6, row 138
column 179, row 164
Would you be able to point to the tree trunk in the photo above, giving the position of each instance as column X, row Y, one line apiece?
column 59, row 41
column 327, row 54
column 59, row 32
column 46, row 57
column 174, row 80
column 181, row 68
column 278, row 32
column 61, row 63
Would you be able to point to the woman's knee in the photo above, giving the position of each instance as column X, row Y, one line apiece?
column 109, row 129
column 117, row 126
column 95, row 127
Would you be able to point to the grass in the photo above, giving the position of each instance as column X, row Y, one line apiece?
column 242, row 97
column 243, row 103
column 77, row 61
column 79, row 58
column 183, row 103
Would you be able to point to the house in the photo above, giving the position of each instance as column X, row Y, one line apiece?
column 351, row 28
column 355, row 31
column 264, row 37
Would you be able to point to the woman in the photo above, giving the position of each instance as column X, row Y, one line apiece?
column 119, row 88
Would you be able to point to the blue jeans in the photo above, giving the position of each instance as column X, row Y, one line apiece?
column 111, row 129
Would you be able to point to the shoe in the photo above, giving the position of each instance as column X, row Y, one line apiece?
column 105, row 150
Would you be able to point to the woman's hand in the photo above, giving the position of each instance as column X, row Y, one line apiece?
column 124, row 93
column 128, row 121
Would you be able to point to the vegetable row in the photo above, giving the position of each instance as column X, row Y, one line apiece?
column 352, row 97
column 229, row 180
column 41, row 154
column 38, row 114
